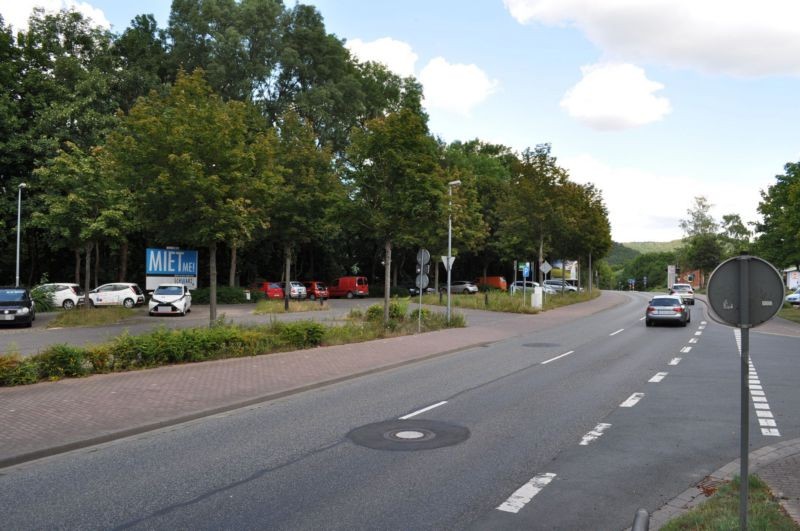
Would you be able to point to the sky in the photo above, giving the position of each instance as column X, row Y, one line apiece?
column 655, row 102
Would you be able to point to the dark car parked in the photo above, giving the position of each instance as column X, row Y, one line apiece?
column 16, row 306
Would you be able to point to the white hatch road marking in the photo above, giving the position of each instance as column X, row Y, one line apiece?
column 617, row 332
column 642, row 319
column 525, row 493
column 686, row 350
column 558, row 357
column 632, row 400
column 594, row 434
column 693, row 340
column 698, row 333
column 423, row 410
column 765, row 417
column 658, row 377
column 674, row 361
column 701, row 327
column 703, row 322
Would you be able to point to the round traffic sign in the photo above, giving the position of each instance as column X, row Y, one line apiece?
column 423, row 257
column 745, row 291
column 422, row 281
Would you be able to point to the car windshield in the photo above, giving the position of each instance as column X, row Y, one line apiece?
column 168, row 290
column 12, row 295
column 665, row 302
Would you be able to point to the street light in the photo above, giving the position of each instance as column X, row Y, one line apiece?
column 19, row 221
column 450, row 186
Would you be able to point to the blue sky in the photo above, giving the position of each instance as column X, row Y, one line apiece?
column 654, row 101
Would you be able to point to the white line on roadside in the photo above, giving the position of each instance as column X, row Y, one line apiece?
column 757, row 395
column 693, row 340
column 686, row 350
column 658, row 377
column 698, row 333
column 423, row 410
column 525, row 493
column 642, row 319
column 632, row 400
column 594, row 434
column 617, row 332
column 703, row 322
column 674, row 361
column 558, row 357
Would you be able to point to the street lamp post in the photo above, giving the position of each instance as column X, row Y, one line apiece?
column 450, row 186
column 19, row 221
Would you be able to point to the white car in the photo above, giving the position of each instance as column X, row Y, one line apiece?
column 297, row 289
column 794, row 298
column 170, row 299
column 560, row 285
column 124, row 294
column 64, row 294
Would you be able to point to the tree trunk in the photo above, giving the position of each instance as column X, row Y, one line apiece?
column 232, row 275
column 87, row 272
column 387, row 277
column 287, row 274
column 591, row 286
column 77, row 266
column 212, row 273
column 123, row 261
column 96, row 263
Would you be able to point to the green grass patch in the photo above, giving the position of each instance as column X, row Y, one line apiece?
column 501, row 301
column 790, row 313
column 721, row 511
column 278, row 306
column 166, row 346
column 94, row 316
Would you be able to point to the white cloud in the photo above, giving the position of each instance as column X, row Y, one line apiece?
column 17, row 12
column 456, row 88
column 397, row 56
column 615, row 96
column 646, row 206
column 739, row 37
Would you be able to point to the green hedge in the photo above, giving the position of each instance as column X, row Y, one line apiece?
column 225, row 295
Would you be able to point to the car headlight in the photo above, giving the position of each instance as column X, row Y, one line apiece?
column 24, row 311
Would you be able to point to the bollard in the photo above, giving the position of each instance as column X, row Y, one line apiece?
column 486, row 298
column 642, row 521
column 321, row 301
column 441, row 294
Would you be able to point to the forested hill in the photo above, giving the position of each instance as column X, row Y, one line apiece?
column 622, row 253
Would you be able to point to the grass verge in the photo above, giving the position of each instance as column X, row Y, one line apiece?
column 721, row 511
column 790, row 313
column 93, row 316
column 168, row 347
column 278, row 306
column 501, row 301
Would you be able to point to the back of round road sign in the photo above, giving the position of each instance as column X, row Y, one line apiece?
column 747, row 280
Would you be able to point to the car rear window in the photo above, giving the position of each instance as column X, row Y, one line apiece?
column 136, row 289
column 665, row 302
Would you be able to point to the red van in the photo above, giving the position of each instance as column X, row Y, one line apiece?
column 495, row 282
column 349, row 287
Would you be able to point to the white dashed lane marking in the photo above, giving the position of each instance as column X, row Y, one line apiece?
column 594, row 434
column 632, row 400
column 617, row 332
column 525, row 493
column 674, row 361
column 423, row 410
column 558, row 357
column 658, row 377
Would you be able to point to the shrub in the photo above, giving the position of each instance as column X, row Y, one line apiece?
column 415, row 314
column 16, row 370
column 225, row 295
column 303, row 334
column 59, row 361
column 43, row 300
column 374, row 313
column 100, row 359
column 398, row 310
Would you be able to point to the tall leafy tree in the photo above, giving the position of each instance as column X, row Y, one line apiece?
column 779, row 231
column 396, row 183
column 202, row 176
column 702, row 249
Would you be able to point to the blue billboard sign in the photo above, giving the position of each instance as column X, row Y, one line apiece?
column 171, row 262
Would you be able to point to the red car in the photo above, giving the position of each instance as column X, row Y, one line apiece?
column 316, row 290
column 272, row 290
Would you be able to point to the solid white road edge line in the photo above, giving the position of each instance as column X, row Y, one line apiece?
column 594, row 434
column 423, row 410
column 617, row 332
column 632, row 400
column 558, row 357
column 525, row 493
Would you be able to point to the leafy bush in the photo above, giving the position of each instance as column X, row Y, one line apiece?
column 225, row 295
column 303, row 334
column 16, row 370
column 374, row 313
column 43, row 300
column 398, row 309
column 60, row 361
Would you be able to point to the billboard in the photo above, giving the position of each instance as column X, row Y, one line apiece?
column 171, row 265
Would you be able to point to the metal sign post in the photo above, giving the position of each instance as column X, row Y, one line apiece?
column 745, row 291
column 422, row 280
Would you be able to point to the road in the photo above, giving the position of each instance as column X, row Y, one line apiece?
column 574, row 427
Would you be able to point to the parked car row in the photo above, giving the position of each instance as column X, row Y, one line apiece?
column 348, row 287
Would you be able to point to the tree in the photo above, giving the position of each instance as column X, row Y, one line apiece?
column 779, row 231
column 735, row 235
column 700, row 221
column 395, row 182
column 701, row 248
column 202, row 177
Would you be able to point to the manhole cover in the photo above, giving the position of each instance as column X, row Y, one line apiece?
column 542, row 345
column 407, row 435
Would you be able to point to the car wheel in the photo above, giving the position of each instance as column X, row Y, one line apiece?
column 349, row 294
column 128, row 303
column 648, row 322
column 68, row 304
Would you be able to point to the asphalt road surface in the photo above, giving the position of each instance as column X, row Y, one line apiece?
column 574, row 427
